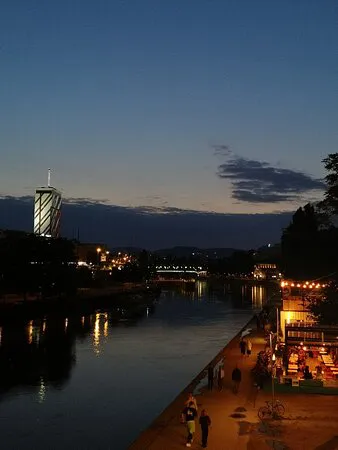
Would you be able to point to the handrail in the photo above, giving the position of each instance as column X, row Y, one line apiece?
column 301, row 324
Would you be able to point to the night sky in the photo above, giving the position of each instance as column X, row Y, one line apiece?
column 167, row 122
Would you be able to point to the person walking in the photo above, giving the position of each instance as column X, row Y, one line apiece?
column 242, row 346
column 210, row 377
column 236, row 379
column 188, row 416
column 248, row 347
column 205, row 423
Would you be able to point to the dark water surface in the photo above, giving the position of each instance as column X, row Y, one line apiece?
column 94, row 383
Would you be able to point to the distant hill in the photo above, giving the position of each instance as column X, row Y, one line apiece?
column 184, row 252
column 128, row 250
column 181, row 252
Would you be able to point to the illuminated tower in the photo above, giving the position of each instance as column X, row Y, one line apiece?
column 47, row 210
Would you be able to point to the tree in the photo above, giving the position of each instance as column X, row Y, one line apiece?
column 309, row 242
column 325, row 309
column 31, row 264
column 301, row 245
column 330, row 202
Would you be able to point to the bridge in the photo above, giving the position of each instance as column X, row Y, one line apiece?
column 180, row 272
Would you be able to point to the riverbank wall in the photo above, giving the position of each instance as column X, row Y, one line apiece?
column 172, row 412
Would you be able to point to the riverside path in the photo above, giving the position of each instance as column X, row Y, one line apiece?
column 310, row 421
column 229, row 422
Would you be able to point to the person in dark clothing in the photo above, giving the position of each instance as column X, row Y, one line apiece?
column 307, row 373
column 205, row 423
column 210, row 378
column 236, row 379
column 188, row 416
column 242, row 346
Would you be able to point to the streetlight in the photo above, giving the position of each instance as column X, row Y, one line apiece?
column 98, row 255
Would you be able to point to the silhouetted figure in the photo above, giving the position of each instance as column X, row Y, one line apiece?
column 210, row 378
column 205, row 423
column 307, row 373
column 236, row 379
column 242, row 346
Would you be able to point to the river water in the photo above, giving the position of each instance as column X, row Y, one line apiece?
column 92, row 382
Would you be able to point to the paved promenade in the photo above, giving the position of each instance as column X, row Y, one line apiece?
column 310, row 421
column 167, row 433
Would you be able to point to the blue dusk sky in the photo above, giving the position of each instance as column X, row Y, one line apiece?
column 219, row 108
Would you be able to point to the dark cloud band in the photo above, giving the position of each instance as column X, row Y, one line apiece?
column 259, row 182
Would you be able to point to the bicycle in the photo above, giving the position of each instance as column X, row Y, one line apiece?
column 271, row 411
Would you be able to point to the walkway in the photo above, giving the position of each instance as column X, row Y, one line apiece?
column 310, row 421
column 167, row 433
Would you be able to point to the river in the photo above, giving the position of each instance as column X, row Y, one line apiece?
column 94, row 383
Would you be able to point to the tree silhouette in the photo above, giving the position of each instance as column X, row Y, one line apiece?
column 330, row 203
column 325, row 310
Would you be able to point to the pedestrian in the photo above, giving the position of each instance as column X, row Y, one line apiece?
column 188, row 416
column 210, row 377
column 242, row 346
column 205, row 423
column 248, row 347
column 236, row 379
column 220, row 376
column 191, row 398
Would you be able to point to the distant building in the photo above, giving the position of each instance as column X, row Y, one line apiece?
column 47, row 211
column 93, row 253
column 266, row 271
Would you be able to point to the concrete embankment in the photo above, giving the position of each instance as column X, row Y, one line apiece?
column 166, row 432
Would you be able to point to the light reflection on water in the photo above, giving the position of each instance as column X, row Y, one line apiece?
column 77, row 381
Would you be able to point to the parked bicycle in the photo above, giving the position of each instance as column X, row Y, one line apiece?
column 271, row 411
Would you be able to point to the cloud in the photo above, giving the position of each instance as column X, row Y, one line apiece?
column 259, row 182
column 148, row 226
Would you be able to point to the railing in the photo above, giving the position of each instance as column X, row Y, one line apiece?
column 301, row 324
